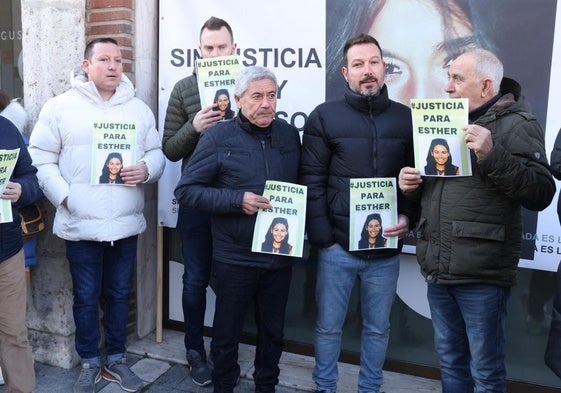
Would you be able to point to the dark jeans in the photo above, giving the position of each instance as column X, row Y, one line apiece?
column 101, row 268
column 236, row 287
column 196, row 244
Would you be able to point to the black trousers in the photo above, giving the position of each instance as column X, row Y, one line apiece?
column 237, row 287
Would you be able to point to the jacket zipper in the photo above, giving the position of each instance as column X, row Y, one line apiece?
column 374, row 137
column 265, row 158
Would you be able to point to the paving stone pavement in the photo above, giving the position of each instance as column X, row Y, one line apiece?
column 163, row 368
column 160, row 376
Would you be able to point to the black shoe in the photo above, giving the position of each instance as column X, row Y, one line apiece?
column 264, row 389
column 200, row 372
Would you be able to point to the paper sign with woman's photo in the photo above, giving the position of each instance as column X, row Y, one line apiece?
column 373, row 205
column 280, row 230
column 113, row 148
column 8, row 160
column 438, row 137
column 216, row 78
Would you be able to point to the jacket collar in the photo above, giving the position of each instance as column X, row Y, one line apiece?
column 371, row 104
column 509, row 99
column 79, row 81
column 269, row 132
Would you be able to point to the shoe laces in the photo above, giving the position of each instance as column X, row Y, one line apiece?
column 87, row 375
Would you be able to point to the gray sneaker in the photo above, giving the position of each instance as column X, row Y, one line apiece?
column 121, row 373
column 89, row 376
column 200, row 372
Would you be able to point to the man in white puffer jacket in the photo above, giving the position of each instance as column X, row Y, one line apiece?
column 100, row 222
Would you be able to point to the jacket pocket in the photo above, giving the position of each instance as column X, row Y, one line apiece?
column 238, row 165
column 478, row 230
column 477, row 249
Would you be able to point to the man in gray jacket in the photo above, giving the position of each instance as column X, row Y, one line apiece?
column 471, row 227
column 185, row 122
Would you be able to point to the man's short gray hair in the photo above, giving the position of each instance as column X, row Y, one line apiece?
column 251, row 74
column 487, row 65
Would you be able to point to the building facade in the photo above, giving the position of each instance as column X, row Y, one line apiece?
column 40, row 42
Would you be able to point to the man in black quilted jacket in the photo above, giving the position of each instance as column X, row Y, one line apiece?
column 361, row 135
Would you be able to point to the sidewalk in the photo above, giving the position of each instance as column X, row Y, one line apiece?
column 163, row 368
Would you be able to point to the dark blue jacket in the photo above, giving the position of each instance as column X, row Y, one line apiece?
column 230, row 159
column 355, row 137
column 24, row 173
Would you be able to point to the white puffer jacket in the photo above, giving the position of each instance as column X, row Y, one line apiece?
column 16, row 114
column 61, row 149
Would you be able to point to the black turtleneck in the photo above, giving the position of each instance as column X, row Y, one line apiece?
column 262, row 132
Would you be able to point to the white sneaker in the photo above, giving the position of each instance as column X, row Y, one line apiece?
column 1, row 377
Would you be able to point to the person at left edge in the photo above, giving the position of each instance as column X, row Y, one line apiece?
column 22, row 189
column 99, row 224
column 226, row 175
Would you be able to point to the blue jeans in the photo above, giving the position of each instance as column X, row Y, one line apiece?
column 237, row 287
column 469, row 336
column 101, row 268
column 337, row 272
column 196, row 245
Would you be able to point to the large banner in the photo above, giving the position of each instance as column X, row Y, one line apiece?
column 288, row 38
column 301, row 41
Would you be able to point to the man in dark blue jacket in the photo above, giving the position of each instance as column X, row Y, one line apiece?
column 19, row 190
column 226, row 175
column 363, row 135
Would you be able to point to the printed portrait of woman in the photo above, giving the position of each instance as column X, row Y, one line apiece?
column 439, row 159
column 418, row 38
column 111, row 171
column 222, row 98
column 371, row 234
column 276, row 239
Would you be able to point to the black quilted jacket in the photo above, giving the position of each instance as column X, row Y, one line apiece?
column 355, row 137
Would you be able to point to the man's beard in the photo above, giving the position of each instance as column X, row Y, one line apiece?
column 370, row 91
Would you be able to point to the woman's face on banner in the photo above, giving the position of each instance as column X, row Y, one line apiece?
column 416, row 64
column 223, row 102
column 440, row 154
column 279, row 232
column 373, row 228
column 114, row 166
